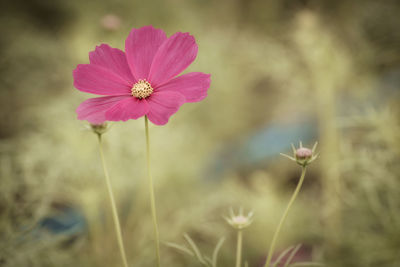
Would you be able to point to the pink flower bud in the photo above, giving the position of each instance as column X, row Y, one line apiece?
column 303, row 153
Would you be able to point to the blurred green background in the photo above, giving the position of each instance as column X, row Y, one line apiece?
column 282, row 71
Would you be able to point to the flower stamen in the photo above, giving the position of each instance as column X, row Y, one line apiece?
column 142, row 89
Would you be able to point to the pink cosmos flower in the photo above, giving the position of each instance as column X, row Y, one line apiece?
column 142, row 80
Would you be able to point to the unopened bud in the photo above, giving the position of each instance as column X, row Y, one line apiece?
column 99, row 128
column 302, row 155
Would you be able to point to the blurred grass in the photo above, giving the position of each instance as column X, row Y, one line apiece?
column 276, row 61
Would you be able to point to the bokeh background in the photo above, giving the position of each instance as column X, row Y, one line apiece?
column 282, row 71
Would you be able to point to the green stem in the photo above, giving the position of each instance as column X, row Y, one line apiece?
column 278, row 229
column 113, row 206
column 151, row 190
column 239, row 248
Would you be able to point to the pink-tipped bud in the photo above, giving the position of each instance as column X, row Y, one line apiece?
column 303, row 153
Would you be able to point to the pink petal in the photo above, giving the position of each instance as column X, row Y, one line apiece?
column 141, row 46
column 129, row 108
column 174, row 55
column 193, row 86
column 162, row 104
column 93, row 109
column 113, row 59
column 98, row 80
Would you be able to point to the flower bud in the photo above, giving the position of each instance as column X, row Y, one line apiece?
column 239, row 221
column 302, row 155
column 99, row 128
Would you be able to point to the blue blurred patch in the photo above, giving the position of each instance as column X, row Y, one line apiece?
column 64, row 221
column 260, row 147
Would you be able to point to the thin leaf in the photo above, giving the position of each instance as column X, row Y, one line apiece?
column 306, row 264
column 292, row 254
column 216, row 251
column 208, row 261
column 180, row 248
column 283, row 254
column 194, row 248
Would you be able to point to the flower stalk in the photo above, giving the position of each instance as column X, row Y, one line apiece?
column 239, row 248
column 239, row 222
column 303, row 157
column 283, row 218
column 151, row 191
column 112, row 202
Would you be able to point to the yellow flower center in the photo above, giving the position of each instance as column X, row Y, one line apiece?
column 142, row 89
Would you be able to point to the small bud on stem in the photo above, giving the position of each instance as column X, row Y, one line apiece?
column 302, row 155
column 99, row 129
column 239, row 221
